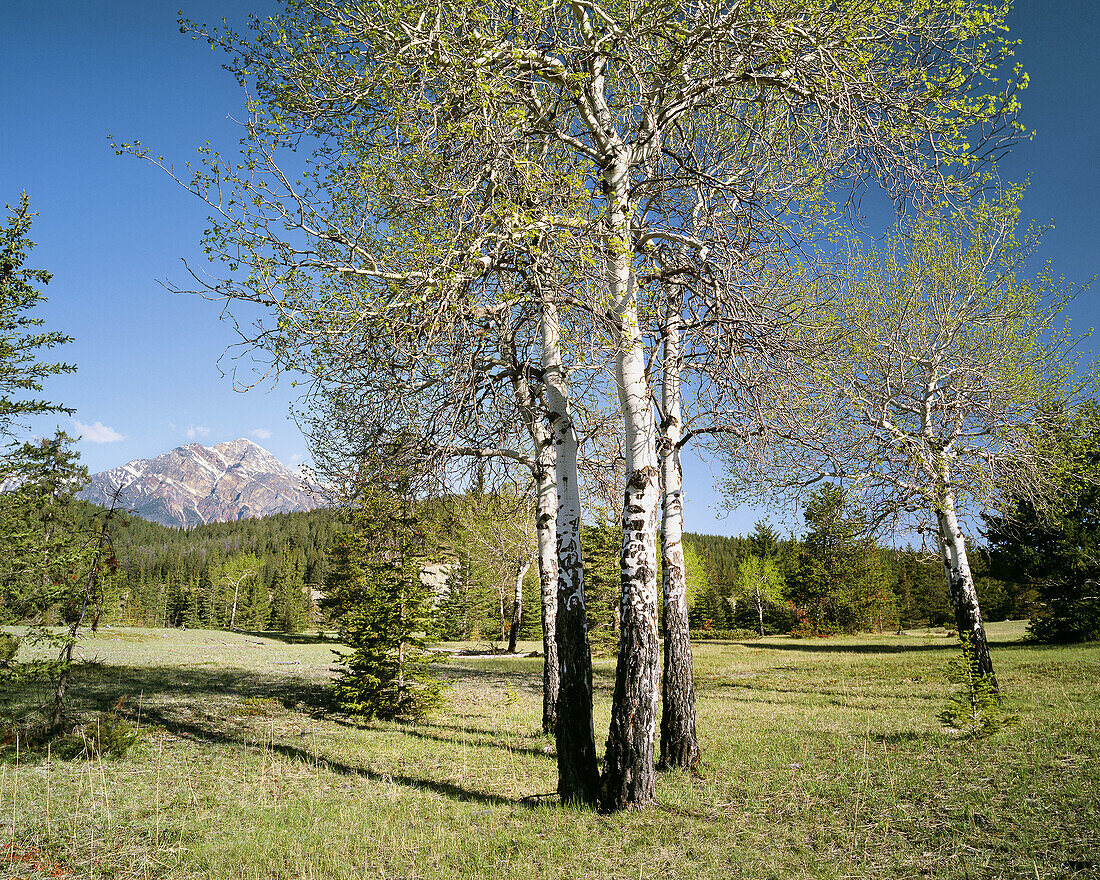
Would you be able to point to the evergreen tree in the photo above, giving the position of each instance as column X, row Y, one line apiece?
column 601, row 546
column 1055, row 549
column 841, row 585
column 376, row 596
column 44, row 532
column 21, row 340
column 290, row 610
column 456, row 609
column 829, row 563
column 36, row 511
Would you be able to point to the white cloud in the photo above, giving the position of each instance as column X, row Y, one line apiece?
column 295, row 458
column 197, row 431
column 260, row 433
column 97, row 433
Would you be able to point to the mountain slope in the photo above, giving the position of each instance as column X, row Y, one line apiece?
column 194, row 484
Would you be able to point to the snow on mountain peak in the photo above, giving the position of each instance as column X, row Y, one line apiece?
column 195, row 484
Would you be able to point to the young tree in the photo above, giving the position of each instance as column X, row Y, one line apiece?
column 949, row 376
column 759, row 580
column 234, row 574
column 375, row 595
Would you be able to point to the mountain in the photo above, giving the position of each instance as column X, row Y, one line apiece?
column 194, row 484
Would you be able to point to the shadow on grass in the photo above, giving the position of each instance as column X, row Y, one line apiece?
column 482, row 739
column 827, row 646
column 104, row 682
column 292, row 638
column 101, row 687
column 202, row 733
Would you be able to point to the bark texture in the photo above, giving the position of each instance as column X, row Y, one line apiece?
column 629, row 770
column 629, row 773
column 546, row 526
column 679, row 741
column 578, row 776
column 536, row 417
column 960, row 585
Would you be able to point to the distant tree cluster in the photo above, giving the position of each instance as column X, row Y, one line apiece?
column 268, row 574
column 254, row 574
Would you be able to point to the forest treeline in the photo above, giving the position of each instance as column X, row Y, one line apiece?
column 269, row 574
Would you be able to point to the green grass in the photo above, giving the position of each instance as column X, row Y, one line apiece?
column 822, row 758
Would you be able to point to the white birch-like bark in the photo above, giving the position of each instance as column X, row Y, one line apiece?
column 960, row 581
column 578, row 777
column 517, row 606
column 536, row 420
column 546, row 518
column 629, row 778
column 679, row 741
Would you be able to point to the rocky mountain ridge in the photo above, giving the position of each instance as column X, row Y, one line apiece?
column 193, row 484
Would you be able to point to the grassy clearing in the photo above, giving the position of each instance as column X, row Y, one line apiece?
column 822, row 758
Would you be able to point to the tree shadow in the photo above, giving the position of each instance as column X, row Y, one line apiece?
column 143, row 691
column 291, row 638
column 482, row 739
column 203, row 733
column 519, row 679
column 826, row 646
column 107, row 682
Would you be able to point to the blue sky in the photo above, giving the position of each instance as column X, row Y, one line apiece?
column 111, row 228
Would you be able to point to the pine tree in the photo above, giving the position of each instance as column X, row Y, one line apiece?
column 383, row 609
column 834, row 586
column 44, row 532
column 602, row 546
column 20, row 339
column 1055, row 548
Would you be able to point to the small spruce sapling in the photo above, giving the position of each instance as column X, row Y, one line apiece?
column 974, row 708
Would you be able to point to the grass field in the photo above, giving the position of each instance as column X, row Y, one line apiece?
column 822, row 758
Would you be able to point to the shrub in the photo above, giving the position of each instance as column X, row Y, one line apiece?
column 9, row 645
column 106, row 735
column 723, row 635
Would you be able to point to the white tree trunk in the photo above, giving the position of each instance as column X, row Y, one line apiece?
column 517, row 606
column 578, row 777
column 546, row 519
column 960, row 581
column 629, row 778
column 536, row 420
column 679, row 742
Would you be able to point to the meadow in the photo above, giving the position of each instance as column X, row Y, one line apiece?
column 822, row 758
